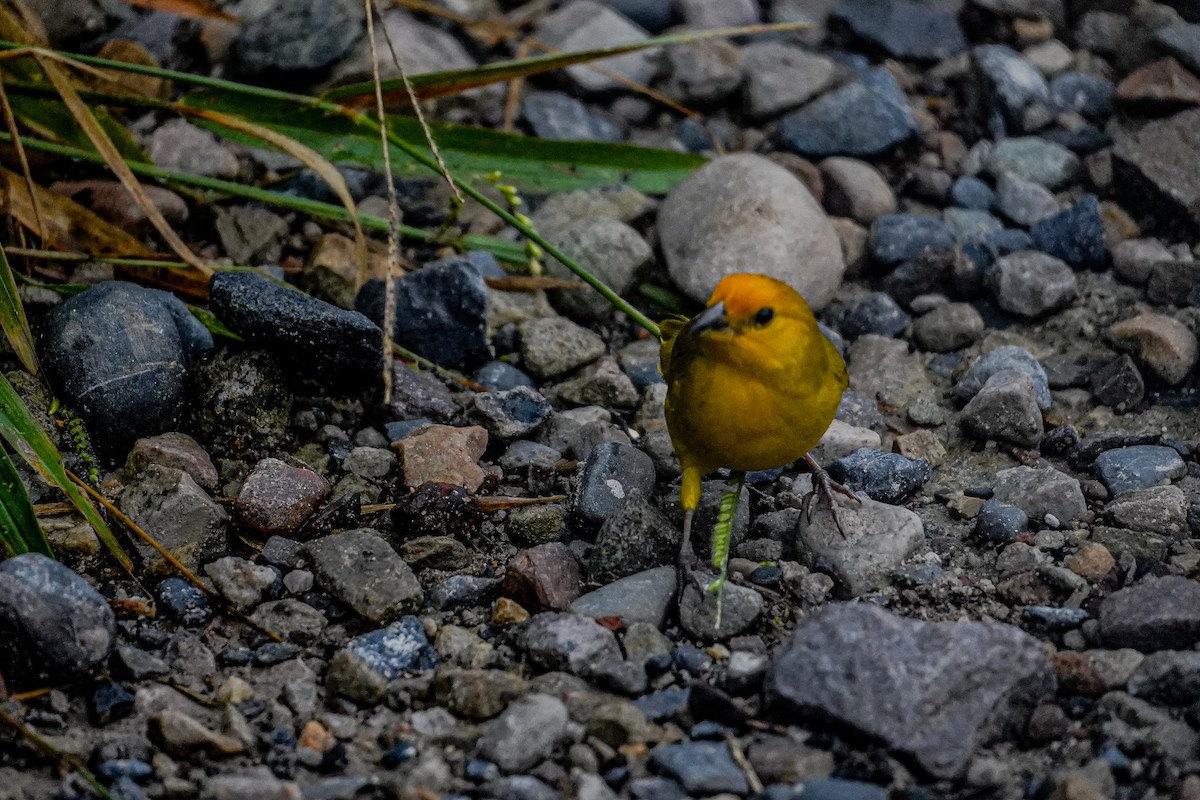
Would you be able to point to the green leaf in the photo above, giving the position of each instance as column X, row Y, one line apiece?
column 20, row 531
column 12, row 318
column 540, row 165
column 49, row 117
column 31, row 442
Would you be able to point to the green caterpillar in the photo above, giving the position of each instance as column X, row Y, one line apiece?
column 722, row 533
column 68, row 419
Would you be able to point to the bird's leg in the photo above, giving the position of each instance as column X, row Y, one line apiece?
column 687, row 556
column 824, row 489
column 722, row 533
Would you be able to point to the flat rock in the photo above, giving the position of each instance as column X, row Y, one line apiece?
column 183, row 518
column 1155, row 614
column 743, row 213
column 932, row 692
column 1039, row 492
column 364, row 572
column 643, row 597
column 864, row 118
column 875, row 538
column 1031, row 283
column 903, row 28
column 781, row 76
column 584, row 25
column 1138, row 467
column 526, row 733
column 1156, row 172
column 443, row 454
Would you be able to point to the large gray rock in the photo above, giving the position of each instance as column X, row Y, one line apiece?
column 1156, row 171
column 931, row 692
column 743, row 213
column 874, row 539
column 54, row 625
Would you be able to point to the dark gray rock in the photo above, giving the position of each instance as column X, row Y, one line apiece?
column 368, row 662
column 903, row 28
column 1000, row 522
column 1005, row 410
column 183, row 602
column 297, row 36
column 1156, row 172
column 441, row 313
column 343, row 349
column 932, row 692
column 1031, row 284
column 185, row 520
column 1183, row 42
column 970, row 192
column 570, row 642
column 526, row 733
column 611, row 473
column 863, row 118
column 876, row 313
column 1010, row 85
column 555, row 115
column 1084, row 94
column 897, row 238
column 1119, row 384
column 118, row 354
column 740, row 607
column 363, row 571
column 643, row 597
column 886, row 477
column 703, row 768
column 54, row 625
column 1023, row 201
column 872, row 541
column 500, row 376
column 1075, row 235
column 1139, row 467
column 1167, row 678
column 1155, row 614
column 243, row 403
column 509, row 414
column 1171, row 282
column 1003, row 358
column 1040, row 492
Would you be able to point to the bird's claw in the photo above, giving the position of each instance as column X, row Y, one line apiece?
column 824, row 489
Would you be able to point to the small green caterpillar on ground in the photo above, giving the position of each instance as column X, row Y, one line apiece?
column 68, row 419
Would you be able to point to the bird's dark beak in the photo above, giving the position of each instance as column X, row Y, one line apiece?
column 710, row 319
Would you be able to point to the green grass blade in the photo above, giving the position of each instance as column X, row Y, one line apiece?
column 13, row 320
column 20, row 531
column 31, row 442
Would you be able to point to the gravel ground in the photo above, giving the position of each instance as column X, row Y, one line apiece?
column 992, row 205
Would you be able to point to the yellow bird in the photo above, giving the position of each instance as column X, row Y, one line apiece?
column 752, row 384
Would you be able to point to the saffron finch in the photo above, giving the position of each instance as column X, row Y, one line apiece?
column 752, row 384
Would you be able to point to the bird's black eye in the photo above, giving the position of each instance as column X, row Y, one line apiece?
column 764, row 316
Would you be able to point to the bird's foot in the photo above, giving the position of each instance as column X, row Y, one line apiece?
column 824, row 490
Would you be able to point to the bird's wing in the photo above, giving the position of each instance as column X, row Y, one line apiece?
column 670, row 328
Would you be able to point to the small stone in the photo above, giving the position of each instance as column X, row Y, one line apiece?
column 856, row 189
column 635, row 537
column 570, row 642
column 1155, row 614
column 949, row 327
column 897, row 238
column 1155, row 509
column 341, row 348
column 553, row 346
column 921, row 443
column 1039, row 492
column 1155, row 172
column 293, row 620
column 500, row 376
column 556, row 115
column 510, row 414
column 1075, row 235
column 1119, row 384
column 583, row 25
column 54, row 624
column 1138, row 467
column 611, row 473
column 1091, row 562
column 251, row 234
column 1163, row 344
column 541, row 578
column 863, row 546
column 183, row 602
column 1005, row 409
column 702, row 768
column 970, row 192
column 180, row 146
column 1008, row 357
column 1034, row 159
column 369, row 462
column 1165, row 84
column 903, row 28
column 184, row 519
column 1134, row 258
column 864, row 118
column 243, row 404
column 477, row 693
column 1170, row 281
column 183, row 737
column 526, row 733
column 842, row 439
column 1000, row 522
column 601, row 383
column 296, row 37
column 362, row 670
column 239, row 581
column 716, row 222
column 534, row 525
column 886, row 477
column 277, row 498
column 363, row 571
column 1010, row 84
column 781, row 76
column 177, row 451
column 1167, row 678
column 443, row 454
column 1023, row 201
column 332, row 269
column 877, row 313
column 1031, row 284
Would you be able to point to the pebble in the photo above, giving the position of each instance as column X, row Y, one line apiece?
column 1133, row 259
column 873, row 539
column 277, row 498
column 1007, row 357
column 1138, row 467
column 614, row 252
column 740, row 609
column 702, row 768
column 184, row 519
column 1039, row 492
column 1091, row 562
column 183, row 602
column 1082, row 93
column 1163, row 344
column 55, row 624
column 443, row 454
column 635, row 536
column 584, row 25
column 897, row 238
column 510, row 414
column 558, row 116
column 180, row 146
column 295, row 37
column 554, row 346
column 119, row 355
column 1036, row 160
column 183, row 736
column 570, row 642
column 1006, row 410
column 1119, row 384
column 611, row 473
column 1023, row 201
column 1155, row 509
column 363, row 668
column 932, row 700
column 948, row 327
column 1011, row 86
column 855, row 189
column 886, row 477
column 175, row 450
column 866, row 117
column 780, row 76
column 239, row 581
column 292, row 619
column 842, row 439
column 525, row 734
column 1000, row 522
column 1031, row 283
column 341, row 348
column 903, row 28
column 1154, row 614
column 643, row 597
column 713, row 224
column 1154, row 170
column 970, row 192
column 1167, row 678
column 543, row 578
column 364, row 572
column 441, row 312
column 968, row 226
column 1075, row 235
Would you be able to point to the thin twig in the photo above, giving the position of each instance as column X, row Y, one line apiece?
column 10, row 122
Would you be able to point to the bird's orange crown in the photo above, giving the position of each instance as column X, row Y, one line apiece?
column 744, row 294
